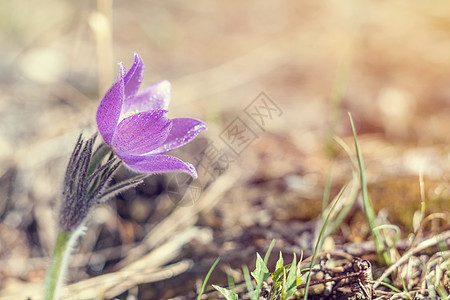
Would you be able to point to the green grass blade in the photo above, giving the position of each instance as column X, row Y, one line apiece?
column 230, row 279
column 248, row 282
column 327, row 191
column 368, row 208
column 320, row 241
column 206, row 278
column 397, row 236
column 405, row 289
column 269, row 250
column 390, row 286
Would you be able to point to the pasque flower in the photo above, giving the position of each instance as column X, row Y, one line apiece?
column 135, row 125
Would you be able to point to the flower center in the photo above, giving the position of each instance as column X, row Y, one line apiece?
column 128, row 114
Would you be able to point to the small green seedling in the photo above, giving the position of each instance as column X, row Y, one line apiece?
column 285, row 279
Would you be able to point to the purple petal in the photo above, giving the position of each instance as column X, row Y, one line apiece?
column 141, row 132
column 183, row 131
column 133, row 78
column 155, row 96
column 159, row 164
column 108, row 111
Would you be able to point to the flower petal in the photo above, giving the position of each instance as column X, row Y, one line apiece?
column 134, row 76
column 183, row 131
column 159, row 164
column 110, row 107
column 155, row 96
column 141, row 132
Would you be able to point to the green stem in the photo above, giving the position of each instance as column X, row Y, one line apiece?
column 58, row 263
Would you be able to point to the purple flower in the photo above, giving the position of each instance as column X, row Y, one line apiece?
column 135, row 124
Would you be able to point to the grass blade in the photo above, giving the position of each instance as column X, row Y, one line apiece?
column 368, row 208
column 206, row 278
column 320, row 240
column 266, row 257
column 248, row 282
column 327, row 192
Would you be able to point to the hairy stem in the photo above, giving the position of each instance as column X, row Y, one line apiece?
column 57, row 266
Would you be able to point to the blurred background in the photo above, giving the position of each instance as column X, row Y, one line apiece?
column 386, row 62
